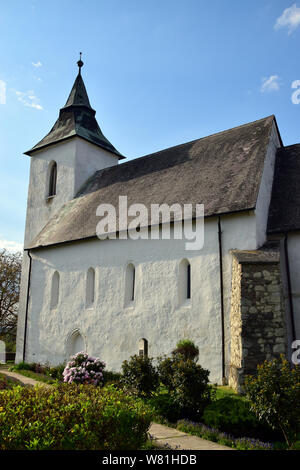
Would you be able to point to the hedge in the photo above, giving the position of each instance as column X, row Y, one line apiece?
column 71, row 416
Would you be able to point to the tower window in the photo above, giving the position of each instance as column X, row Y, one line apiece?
column 52, row 180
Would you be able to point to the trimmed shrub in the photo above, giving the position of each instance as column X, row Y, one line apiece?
column 187, row 349
column 140, row 376
column 72, row 416
column 84, row 369
column 274, row 394
column 187, row 384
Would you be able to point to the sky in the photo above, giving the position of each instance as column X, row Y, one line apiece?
column 158, row 72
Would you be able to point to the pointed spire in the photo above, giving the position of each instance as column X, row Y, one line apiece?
column 76, row 118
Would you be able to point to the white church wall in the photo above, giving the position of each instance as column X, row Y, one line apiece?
column 108, row 328
column 76, row 161
column 265, row 191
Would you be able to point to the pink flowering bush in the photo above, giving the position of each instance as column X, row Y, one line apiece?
column 84, row 369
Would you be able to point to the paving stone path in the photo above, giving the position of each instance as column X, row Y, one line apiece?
column 161, row 434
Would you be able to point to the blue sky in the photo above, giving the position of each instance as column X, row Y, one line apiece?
column 158, row 73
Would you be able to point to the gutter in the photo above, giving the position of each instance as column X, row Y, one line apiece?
column 289, row 286
column 27, row 304
column 222, row 298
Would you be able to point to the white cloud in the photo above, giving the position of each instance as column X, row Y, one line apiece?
column 37, row 64
column 10, row 245
column 270, row 84
column 28, row 98
column 290, row 18
column 2, row 92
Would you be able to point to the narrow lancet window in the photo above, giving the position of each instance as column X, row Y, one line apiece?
column 130, row 284
column 52, row 180
column 185, row 281
column 90, row 287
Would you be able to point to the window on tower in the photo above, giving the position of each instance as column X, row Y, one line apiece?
column 52, row 179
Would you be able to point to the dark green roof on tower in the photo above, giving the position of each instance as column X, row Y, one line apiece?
column 76, row 118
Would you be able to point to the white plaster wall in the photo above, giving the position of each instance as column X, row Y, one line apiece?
column 112, row 331
column 265, row 191
column 294, row 260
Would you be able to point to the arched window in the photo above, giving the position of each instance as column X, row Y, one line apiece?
column 130, row 284
column 90, row 287
column 143, row 347
column 184, row 281
column 55, row 290
column 52, row 179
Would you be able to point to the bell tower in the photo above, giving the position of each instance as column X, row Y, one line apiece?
column 65, row 158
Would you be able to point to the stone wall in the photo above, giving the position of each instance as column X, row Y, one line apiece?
column 258, row 331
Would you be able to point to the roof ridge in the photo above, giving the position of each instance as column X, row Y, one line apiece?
column 181, row 145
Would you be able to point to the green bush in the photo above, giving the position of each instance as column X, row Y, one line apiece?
column 23, row 366
column 274, row 394
column 72, row 416
column 187, row 384
column 187, row 349
column 164, row 407
column 140, row 376
column 56, row 372
column 111, row 377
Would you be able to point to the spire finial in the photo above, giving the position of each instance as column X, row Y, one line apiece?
column 80, row 63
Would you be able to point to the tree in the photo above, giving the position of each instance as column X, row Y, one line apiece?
column 10, row 275
column 274, row 394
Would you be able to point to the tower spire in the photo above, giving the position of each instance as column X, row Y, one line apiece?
column 76, row 118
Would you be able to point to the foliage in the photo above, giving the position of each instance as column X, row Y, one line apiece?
column 187, row 349
column 232, row 414
column 83, row 368
column 140, row 376
column 71, row 416
column 56, row 372
column 111, row 377
column 10, row 274
column 23, row 366
column 187, row 384
column 164, row 407
column 223, row 438
column 274, row 394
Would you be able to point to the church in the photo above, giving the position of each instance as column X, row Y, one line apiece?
column 237, row 298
